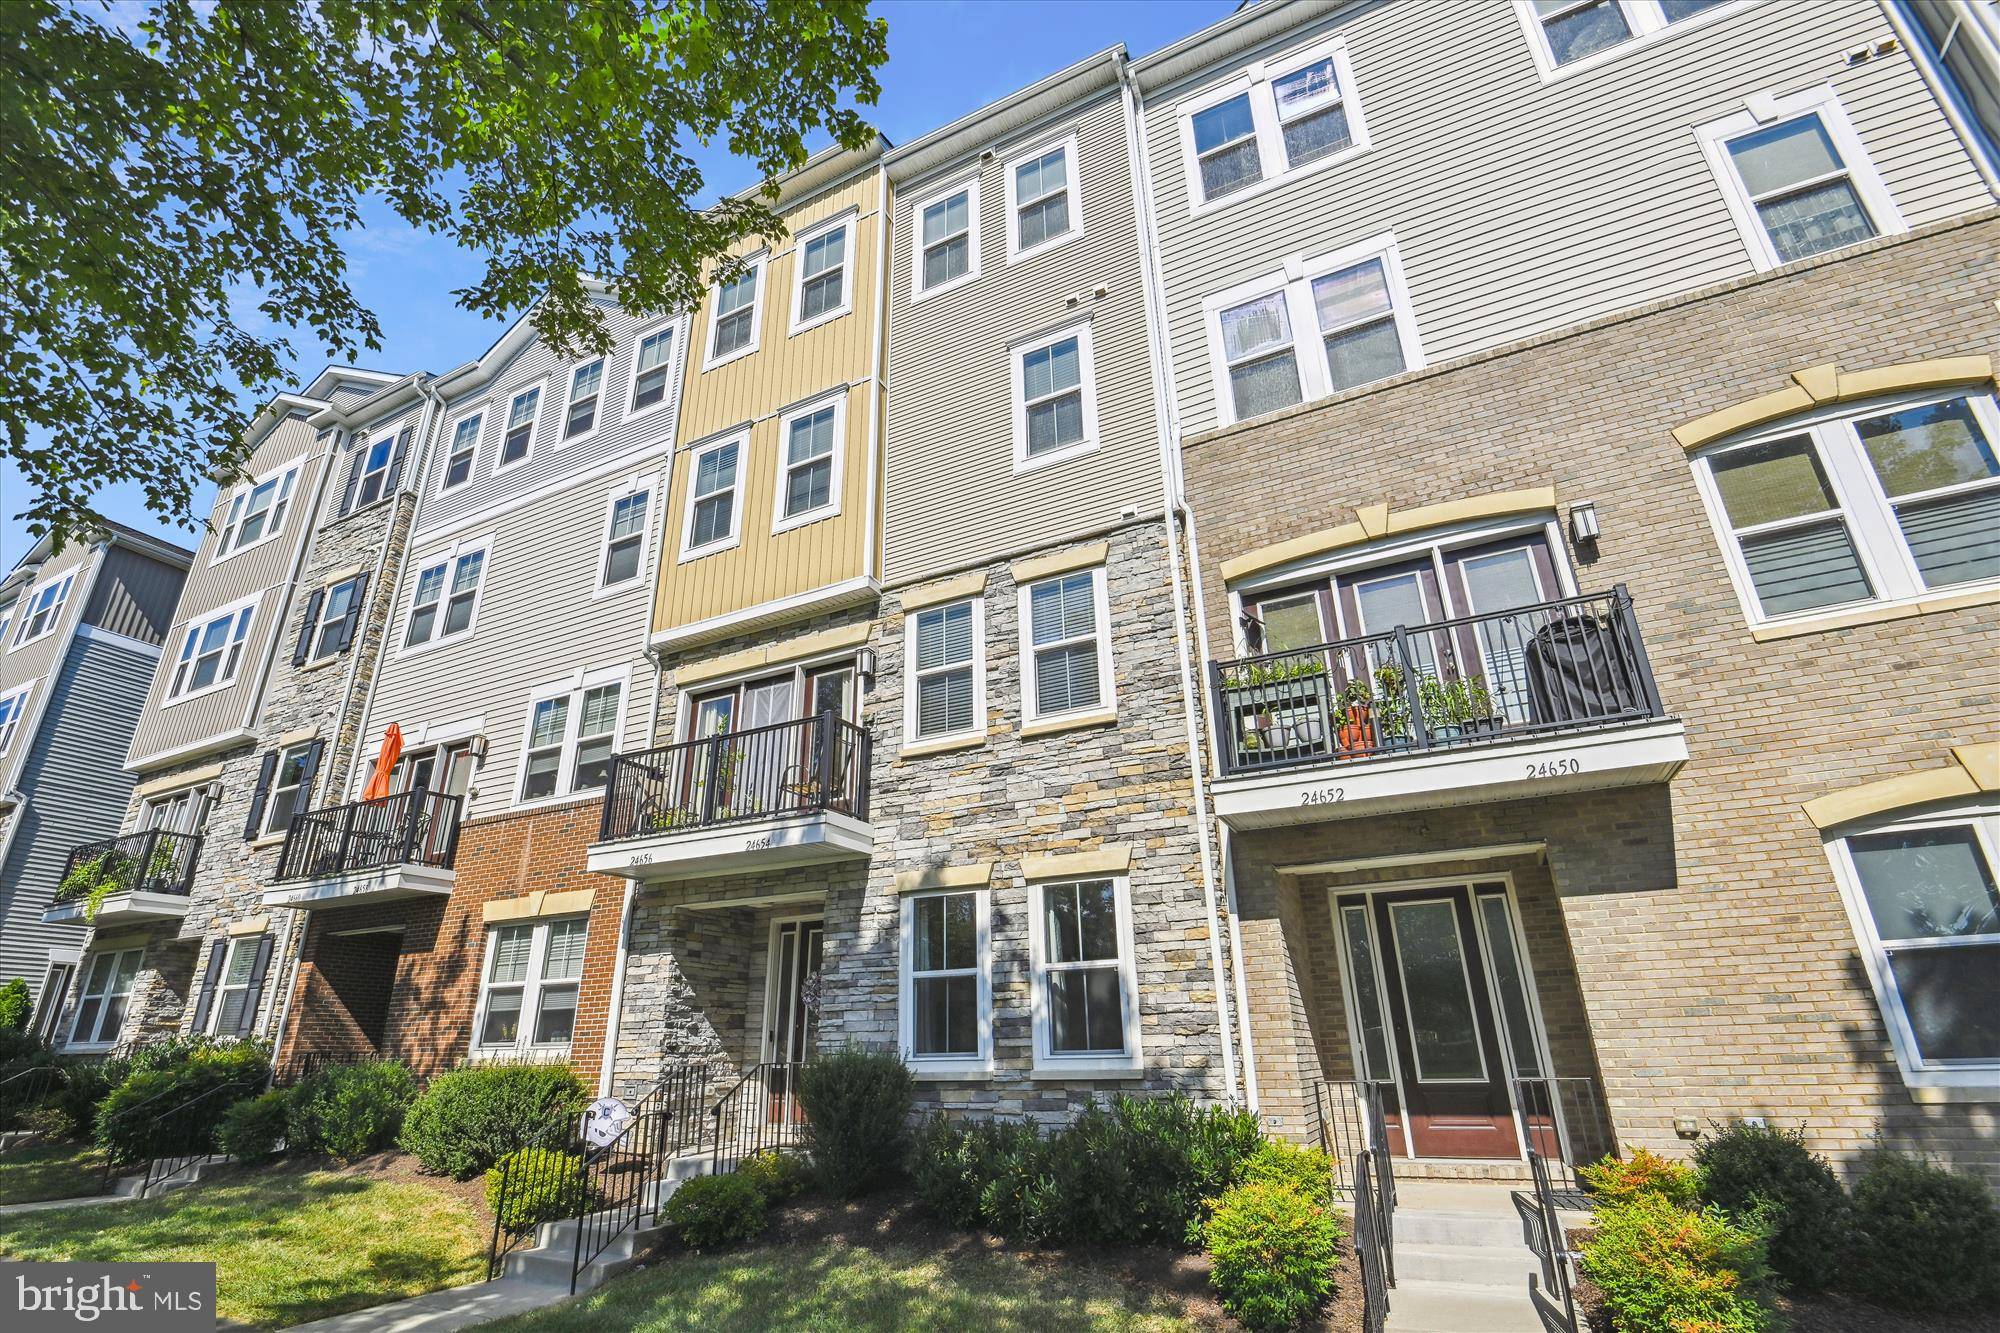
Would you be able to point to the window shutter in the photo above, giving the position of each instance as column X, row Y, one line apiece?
column 396, row 462
column 353, row 478
column 303, row 649
column 265, row 772
column 307, row 772
column 255, row 990
column 355, row 601
column 216, row 950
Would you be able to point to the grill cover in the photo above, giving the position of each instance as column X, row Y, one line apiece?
column 1581, row 669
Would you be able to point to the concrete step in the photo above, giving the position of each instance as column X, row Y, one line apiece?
column 1505, row 1266
column 1452, row 1307
column 1415, row 1226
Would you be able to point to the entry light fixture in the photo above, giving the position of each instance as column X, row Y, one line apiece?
column 864, row 669
column 1583, row 521
column 476, row 747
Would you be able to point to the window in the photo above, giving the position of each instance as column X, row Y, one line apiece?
column 819, row 291
column 947, row 232
column 712, row 517
column 257, row 514
column 1065, row 648
column 1085, row 997
column 947, row 999
column 211, row 652
column 584, row 383
column 1055, row 399
column 624, row 539
column 1887, row 504
column 42, row 610
column 6, row 619
column 291, row 787
column 1041, row 205
column 1356, row 302
column 464, row 446
column 446, row 598
column 652, row 368
column 1797, row 179
column 331, row 621
column 809, row 464
column 946, row 696
column 234, row 992
column 523, row 413
column 183, row 811
column 573, row 731
column 374, row 476
column 1563, row 33
column 1276, row 120
column 734, row 332
column 12, row 706
column 55, row 989
column 527, row 998
column 100, row 1010
column 1922, row 897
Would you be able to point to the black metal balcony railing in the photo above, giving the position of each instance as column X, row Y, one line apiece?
column 1551, row 667
column 408, row 828
column 155, row 861
column 803, row 767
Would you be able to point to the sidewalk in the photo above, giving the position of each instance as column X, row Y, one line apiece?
column 437, row 1311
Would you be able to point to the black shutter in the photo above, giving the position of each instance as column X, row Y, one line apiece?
column 396, row 462
column 303, row 649
column 208, row 980
column 353, row 478
column 265, row 772
column 307, row 772
column 256, row 988
column 354, row 605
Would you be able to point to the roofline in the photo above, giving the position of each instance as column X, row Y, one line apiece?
column 977, row 128
column 818, row 172
column 363, row 410
column 1249, row 26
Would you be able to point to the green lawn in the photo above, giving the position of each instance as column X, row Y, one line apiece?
column 833, row 1285
column 288, row 1245
column 50, row 1171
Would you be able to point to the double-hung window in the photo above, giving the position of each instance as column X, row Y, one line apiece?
column 820, row 288
column 100, row 1009
column 652, row 368
column 947, row 687
column 1257, row 356
column 523, row 411
column 374, row 474
column 809, row 464
column 332, row 627
column 42, row 611
column 1085, row 998
column 714, row 517
column 445, row 602
column 291, row 787
column 227, row 1016
column 1055, row 398
column 947, row 240
column 572, row 733
column 625, row 539
column 1066, row 646
column 12, row 705
column 585, row 384
column 464, row 447
column 527, row 996
column 947, row 993
column 211, row 652
column 1275, row 120
column 1357, row 325
column 1042, row 207
column 258, row 513
column 734, row 330
column 1225, row 145
column 1569, row 32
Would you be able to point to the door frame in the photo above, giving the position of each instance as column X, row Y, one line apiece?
column 1469, row 883
column 773, row 984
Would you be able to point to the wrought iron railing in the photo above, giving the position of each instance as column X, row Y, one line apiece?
column 1374, row 1243
column 1350, row 1118
column 184, row 1134
column 1551, row 1291
column 1567, row 1126
column 408, row 828
column 789, row 768
column 760, row 1113
column 25, row 1089
column 155, row 861
column 1450, row 684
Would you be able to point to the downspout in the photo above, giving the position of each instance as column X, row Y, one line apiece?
column 1939, row 82
column 878, row 392
column 607, row 1061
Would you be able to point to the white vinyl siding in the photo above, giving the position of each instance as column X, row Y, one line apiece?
column 528, row 990
column 947, row 982
column 946, row 689
column 1066, row 646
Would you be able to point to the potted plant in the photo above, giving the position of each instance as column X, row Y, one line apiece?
column 1281, row 702
column 1357, row 709
column 1391, row 708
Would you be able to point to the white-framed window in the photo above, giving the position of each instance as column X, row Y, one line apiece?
column 714, row 518
column 947, row 990
column 735, row 328
column 291, row 787
column 100, row 1007
column 1566, row 35
column 41, row 610
column 944, row 650
column 572, row 731
column 1066, row 646
column 528, row 990
column 820, row 287
column 13, row 704
column 652, row 370
column 257, row 512
column 809, row 463
column 625, row 537
column 517, row 441
column 945, row 249
column 586, row 388
column 226, row 1016
column 1886, row 503
column 6, row 621
column 444, row 597
column 211, row 651
column 1055, row 397
column 1921, row 895
column 1085, row 996
column 332, row 627
column 56, row 981
column 372, row 482
column 1321, row 327
column 1797, row 179
column 1272, row 123
column 185, row 810
column 463, row 451
column 1044, row 207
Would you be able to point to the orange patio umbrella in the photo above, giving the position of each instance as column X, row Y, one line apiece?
column 392, row 749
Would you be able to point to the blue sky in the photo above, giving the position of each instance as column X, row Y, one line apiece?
column 946, row 58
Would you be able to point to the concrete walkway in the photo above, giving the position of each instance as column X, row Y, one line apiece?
column 437, row 1311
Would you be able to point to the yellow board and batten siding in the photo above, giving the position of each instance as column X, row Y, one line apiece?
column 756, row 390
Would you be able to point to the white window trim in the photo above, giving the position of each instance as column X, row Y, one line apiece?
column 754, row 265
column 978, row 728
column 1031, row 710
column 675, row 334
column 19, row 696
column 170, row 658
column 741, row 439
column 848, row 220
column 942, row 1066
column 1092, row 1064
column 541, row 391
column 1941, row 1082
column 1643, row 17
column 222, row 985
column 1295, row 281
column 1763, row 110
column 1073, row 187
column 648, row 484
column 1256, row 80
column 919, row 292
column 837, row 400
column 478, row 442
column 1863, row 506
column 321, row 619
column 80, row 980
column 1087, row 380
column 573, row 687
column 449, row 555
column 531, row 992
column 603, row 363
column 265, row 825
column 22, row 608
column 271, row 530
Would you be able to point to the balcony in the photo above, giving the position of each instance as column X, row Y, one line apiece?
column 122, row 881
column 398, row 846
column 794, row 793
column 1531, row 701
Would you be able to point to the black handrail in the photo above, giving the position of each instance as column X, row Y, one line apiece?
column 417, row 827
column 152, row 861
column 189, row 1128
column 1567, row 1126
column 25, row 1089
column 760, row 1113
column 806, row 766
column 1372, row 1246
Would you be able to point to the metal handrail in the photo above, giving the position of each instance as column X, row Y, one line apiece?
column 417, row 827
column 759, row 1113
column 1566, row 1126
column 152, row 861
column 804, row 766
column 194, row 1123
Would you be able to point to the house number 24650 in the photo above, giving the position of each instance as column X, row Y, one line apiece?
column 1324, row 796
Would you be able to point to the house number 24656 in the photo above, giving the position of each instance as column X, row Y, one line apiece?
column 1324, row 796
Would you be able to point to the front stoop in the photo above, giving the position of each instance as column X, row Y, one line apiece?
column 548, row 1260
column 1462, row 1265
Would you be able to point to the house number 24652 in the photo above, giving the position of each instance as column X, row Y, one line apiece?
column 1324, row 796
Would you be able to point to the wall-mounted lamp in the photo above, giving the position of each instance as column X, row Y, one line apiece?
column 477, row 747
column 1583, row 521
column 864, row 669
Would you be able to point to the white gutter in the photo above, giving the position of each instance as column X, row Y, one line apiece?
column 625, row 915
column 877, row 390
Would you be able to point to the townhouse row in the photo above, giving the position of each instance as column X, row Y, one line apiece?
column 1446, row 554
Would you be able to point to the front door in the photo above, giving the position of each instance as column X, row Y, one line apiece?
column 792, row 1023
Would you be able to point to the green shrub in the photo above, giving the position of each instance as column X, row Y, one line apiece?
column 778, row 1176
column 1668, row 1269
column 857, row 1106
column 19, row 1049
column 470, row 1118
column 948, row 1168
column 1272, row 1249
column 14, row 1006
column 713, row 1211
column 1021, row 1198
column 139, row 1118
column 254, row 1129
column 1615, row 1181
column 1770, row 1174
column 1924, row 1238
column 539, row 1185
column 349, row 1111
column 1307, row 1170
column 86, row 1083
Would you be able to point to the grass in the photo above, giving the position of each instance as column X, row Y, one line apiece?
column 289, row 1245
column 50, row 1171
column 831, row 1284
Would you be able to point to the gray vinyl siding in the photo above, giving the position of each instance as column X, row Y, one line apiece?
column 409, row 416
column 35, row 661
column 134, row 595
column 953, row 497
column 76, row 791
column 1520, row 206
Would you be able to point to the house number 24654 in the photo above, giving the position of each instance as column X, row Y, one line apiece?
column 1324, row 796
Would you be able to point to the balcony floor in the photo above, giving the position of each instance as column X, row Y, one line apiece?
column 384, row 884
column 733, row 849
column 120, row 909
